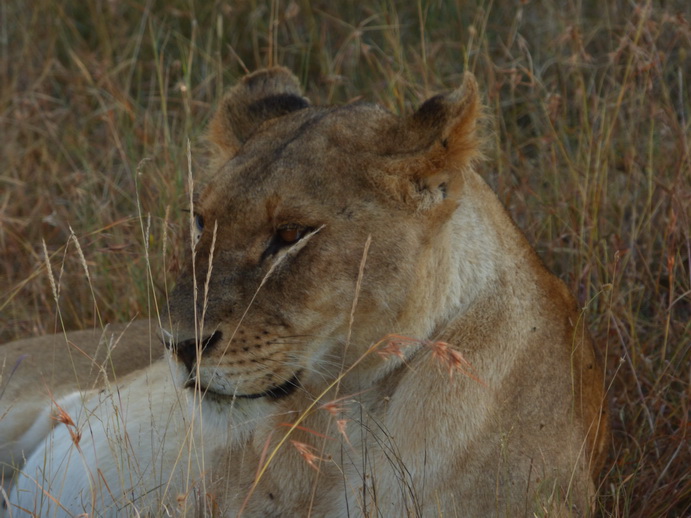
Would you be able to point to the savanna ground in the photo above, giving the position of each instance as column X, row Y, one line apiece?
column 589, row 108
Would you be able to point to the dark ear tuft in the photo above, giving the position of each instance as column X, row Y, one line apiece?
column 448, row 119
column 431, row 149
column 431, row 115
column 276, row 106
column 257, row 98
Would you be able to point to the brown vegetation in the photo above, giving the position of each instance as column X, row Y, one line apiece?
column 589, row 149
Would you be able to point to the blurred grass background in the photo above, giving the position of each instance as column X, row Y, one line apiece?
column 590, row 107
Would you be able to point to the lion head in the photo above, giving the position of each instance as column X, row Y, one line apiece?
column 316, row 235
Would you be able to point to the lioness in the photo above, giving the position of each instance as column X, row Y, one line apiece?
column 36, row 371
column 323, row 231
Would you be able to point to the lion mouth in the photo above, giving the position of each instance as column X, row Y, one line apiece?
column 275, row 393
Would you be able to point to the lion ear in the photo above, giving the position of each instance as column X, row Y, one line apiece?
column 433, row 147
column 258, row 97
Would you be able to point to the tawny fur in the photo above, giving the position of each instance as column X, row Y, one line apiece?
column 327, row 229
column 35, row 372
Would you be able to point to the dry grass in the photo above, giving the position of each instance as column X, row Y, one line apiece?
column 590, row 102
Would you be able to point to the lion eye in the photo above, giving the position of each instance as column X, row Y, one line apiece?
column 198, row 227
column 284, row 237
column 291, row 234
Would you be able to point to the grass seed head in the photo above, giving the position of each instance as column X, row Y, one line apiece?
column 307, row 453
column 61, row 416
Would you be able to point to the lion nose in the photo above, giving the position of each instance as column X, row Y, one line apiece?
column 187, row 350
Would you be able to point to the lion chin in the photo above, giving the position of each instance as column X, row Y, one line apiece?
column 360, row 330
